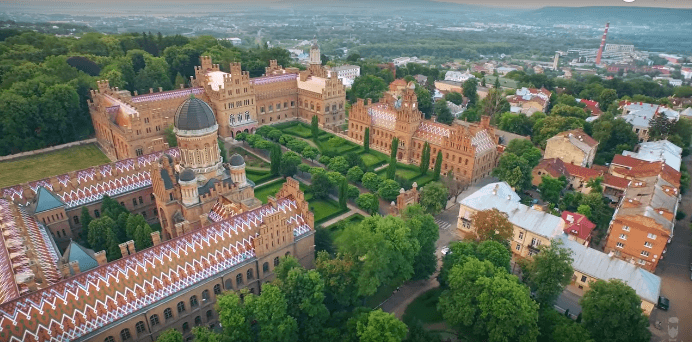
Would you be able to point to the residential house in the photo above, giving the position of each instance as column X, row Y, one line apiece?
column 530, row 100
column 573, row 147
column 577, row 227
column 532, row 227
column 591, row 106
column 579, row 176
column 458, row 76
column 661, row 151
column 553, row 167
column 614, row 187
column 639, row 115
column 421, row 79
column 505, row 70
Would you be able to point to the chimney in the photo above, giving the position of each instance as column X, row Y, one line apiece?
column 75, row 267
column 160, row 89
column 101, row 258
column 156, row 238
column 65, row 270
column 123, row 249
column 151, row 90
column 610, row 255
column 131, row 246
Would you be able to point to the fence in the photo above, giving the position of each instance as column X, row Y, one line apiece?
column 48, row 149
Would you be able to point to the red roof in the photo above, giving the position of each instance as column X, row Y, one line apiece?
column 577, row 225
column 592, row 106
column 582, row 172
column 554, row 166
column 615, row 181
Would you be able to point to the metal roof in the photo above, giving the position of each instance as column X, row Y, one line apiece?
column 47, row 201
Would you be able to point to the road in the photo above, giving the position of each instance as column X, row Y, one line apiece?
column 447, row 221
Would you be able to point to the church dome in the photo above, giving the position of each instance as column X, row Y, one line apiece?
column 187, row 175
column 237, row 160
column 194, row 114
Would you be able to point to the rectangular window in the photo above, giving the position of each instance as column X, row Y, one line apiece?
column 623, row 236
column 642, row 262
column 648, row 244
column 518, row 247
column 644, row 253
column 134, row 201
column 293, row 104
column 583, row 279
column 278, row 106
column 521, row 235
column 626, row 228
column 620, row 245
column 651, row 236
column 271, row 108
column 261, row 109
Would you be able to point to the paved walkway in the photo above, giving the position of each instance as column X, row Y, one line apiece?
column 338, row 218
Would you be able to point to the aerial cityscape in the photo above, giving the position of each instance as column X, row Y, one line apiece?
column 348, row 171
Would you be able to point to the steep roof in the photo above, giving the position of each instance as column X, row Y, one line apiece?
column 46, row 200
column 578, row 138
column 554, row 166
column 80, row 306
column 77, row 252
column 615, row 181
column 577, row 224
column 582, row 172
column 662, row 150
column 601, row 266
column 500, row 196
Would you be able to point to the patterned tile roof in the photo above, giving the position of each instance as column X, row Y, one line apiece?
column 273, row 79
column 482, row 141
column 167, row 95
column 382, row 115
column 432, row 131
column 81, row 305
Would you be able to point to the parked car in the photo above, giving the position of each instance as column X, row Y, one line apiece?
column 663, row 303
column 444, row 250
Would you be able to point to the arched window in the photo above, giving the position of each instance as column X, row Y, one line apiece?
column 97, row 214
column 217, row 289
column 125, row 334
column 186, row 327
column 210, row 315
column 109, row 339
column 265, row 267
column 229, row 284
column 181, row 307
column 252, row 291
column 205, row 295
column 168, row 313
column 239, row 279
column 75, row 219
column 140, row 327
column 193, row 301
column 198, row 321
column 250, row 274
column 288, row 253
column 276, row 261
column 154, row 320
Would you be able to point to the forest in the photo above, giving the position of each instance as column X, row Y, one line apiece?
column 45, row 80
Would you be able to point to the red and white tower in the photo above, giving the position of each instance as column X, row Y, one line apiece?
column 603, row 40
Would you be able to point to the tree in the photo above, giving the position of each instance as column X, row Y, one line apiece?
column 494, row 103
column 444, row 115
column 454, row 186
column 142, row 237
column 433, row 197
column 353, row 192
column 368, row 202
column 551, row 188
column 595, row 185
column 425, row 104
column 514, row 170
column 425, row 159
column 471, row 91
column 340, row 275
column 438, row 166
column 516, row 123
column 606, row 98
column 354, row 159
column 320, row 186
column 170, row 335
column 388, row 189
column 426, row 232
column 289, row 163
column 354, row 174
column 382, row 327
column 568, row 111
column 367, row 87
column 584, row 210
column 101, row 237
column 659, row 127
column 391, row 169
column 525, row 149
column 275, row 159
column 343, row 193
column 85, row 218
column 549, row 272
column 339, row 164
column 222, row 150
column 310, row 153
column 371, row 181
column 314, row 128
column 366, row 140
column 455, row 98
column 492, row 224
column 472, row 302
column 460, row 252
column 612, row 312
column 384, row 248
column 394, row 148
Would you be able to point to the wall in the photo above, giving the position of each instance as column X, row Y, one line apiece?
column 48, row 149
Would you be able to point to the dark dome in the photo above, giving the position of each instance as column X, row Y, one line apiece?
column 187, row 175
column 194, row 114
column 237, row 160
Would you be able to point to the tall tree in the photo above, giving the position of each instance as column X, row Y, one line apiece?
column 85, row 218
column 425, row 159
column 471, row 91
column 366, row 140
column 426, row 231
column 551, row 188
column 368, row 202
column 340, row 275
column 438, row 166
column 269, row 311
column 391, row 168
column 549, row 272
column 443, row 113
column 394, row 148
column 343, row 193
column 314, row 128
column 492, row 224
column 433, row 197
column 514, row 170
column 381, row 327
column 289, row 163
column 275, row 159
column 612, row 312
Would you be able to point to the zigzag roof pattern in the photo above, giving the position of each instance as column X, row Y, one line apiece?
column 80, row 305
column 89, row 185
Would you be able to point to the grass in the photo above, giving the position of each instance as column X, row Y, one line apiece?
column 49, row 164
column 405, row 171
column 424, row 308
column 323, row 209
column 423, row 179
column 259, row 176
column 373, row 158
column 336, row 229
column 299, row 130
column 251, row 159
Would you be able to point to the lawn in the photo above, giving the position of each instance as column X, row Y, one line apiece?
column 373, row 158
column 258, row 176
column 251, row 160
column 336, row 229
column 300, row 130
column 405, row 171
column 424, row 308
column 48, row 164
column 323, row 209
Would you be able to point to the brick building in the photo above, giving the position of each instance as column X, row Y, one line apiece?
column 128, row 125
column 573, row 147
column 468, row 149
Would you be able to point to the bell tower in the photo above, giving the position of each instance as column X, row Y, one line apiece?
column 315, row 57
column 408, row 115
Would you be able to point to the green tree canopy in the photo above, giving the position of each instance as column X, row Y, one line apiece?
column 433, row 197
column 549, row 272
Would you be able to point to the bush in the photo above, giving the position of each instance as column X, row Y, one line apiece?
column 325, row 160
column 389, row 189
column 368, row 202
column 679, row 215
column 371, row 181
column 352, row 191
column 355, row 174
